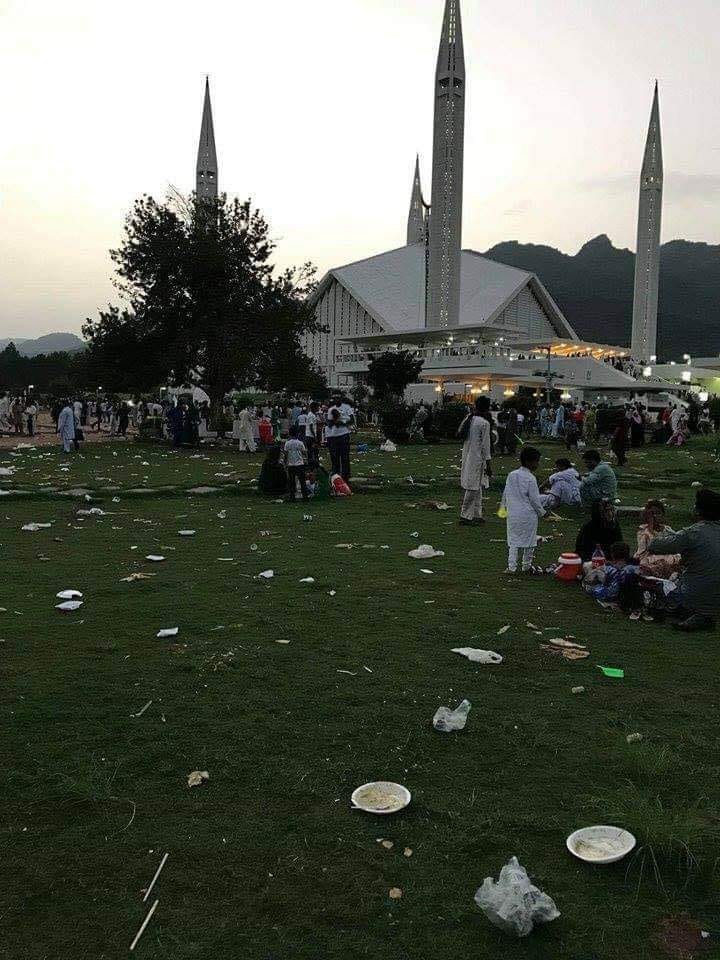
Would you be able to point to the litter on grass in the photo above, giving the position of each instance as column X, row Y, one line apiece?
column 145, row 922
column 155, row 558
column 197, row 777
column 479, row 656
column 266, row 575
column 503, row 630
column 34, row 527
column 601, row 844
column 157, row 874
column 448, row 721
column 167, row 632
column 142, row 710
column 514, row 904
column 634, row 738
column 137, row 576
column 186, row 533
column 69, row 595
column 425, row 552
column 612, row 672
column 308, row 580
column 381, row 797
column 69, row 606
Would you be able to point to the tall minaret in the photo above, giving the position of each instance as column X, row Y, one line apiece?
column 647, row 258
column 206, row 183
column 447, row 175
column 416, row 217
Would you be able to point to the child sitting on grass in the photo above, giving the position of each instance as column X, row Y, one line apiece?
column 621, row 585
column 521, row 499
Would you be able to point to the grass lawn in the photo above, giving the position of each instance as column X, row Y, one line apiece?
column 290, row 697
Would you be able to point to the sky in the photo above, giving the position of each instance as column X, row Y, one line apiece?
column 319, row 110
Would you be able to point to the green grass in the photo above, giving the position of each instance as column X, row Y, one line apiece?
column 267, row 860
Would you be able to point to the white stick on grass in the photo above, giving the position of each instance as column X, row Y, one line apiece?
column 157, row 874
column 146, row 921
column 141, row 712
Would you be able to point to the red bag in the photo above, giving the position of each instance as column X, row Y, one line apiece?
column 339, row 487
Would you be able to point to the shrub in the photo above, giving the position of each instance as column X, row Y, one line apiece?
column 447, row 418
column 150, row 428
column 394, row 418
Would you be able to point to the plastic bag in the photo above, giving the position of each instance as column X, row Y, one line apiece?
column 479, row 656
column 447, row 720
column 339, row 486
column 388, row 447
column 513, row 904
column 425, row 552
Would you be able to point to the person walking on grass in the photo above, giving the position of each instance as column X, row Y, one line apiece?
column 523, row 503
column 295, row 456
column 66, row 427
column 474, row 431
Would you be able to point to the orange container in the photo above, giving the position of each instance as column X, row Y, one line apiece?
column 569, row 567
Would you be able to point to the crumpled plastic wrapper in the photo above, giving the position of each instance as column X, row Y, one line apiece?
column 479, row 656
column 514, row 904
column 448, row 721
column 197, row 777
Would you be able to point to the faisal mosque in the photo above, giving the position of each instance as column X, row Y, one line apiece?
column 479, row 325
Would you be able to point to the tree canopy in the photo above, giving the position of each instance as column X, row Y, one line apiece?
column 390, row 373
column 204, row 302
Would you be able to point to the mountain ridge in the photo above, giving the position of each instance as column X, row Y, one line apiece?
column 48, row 343
column 594, row 289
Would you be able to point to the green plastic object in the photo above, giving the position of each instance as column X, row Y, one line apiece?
column 612, row 671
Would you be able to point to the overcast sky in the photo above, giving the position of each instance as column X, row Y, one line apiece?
column 320, row 107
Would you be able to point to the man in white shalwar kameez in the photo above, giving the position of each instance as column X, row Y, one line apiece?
column 524, row 508
column 247, row 439
column 476, row 454
column 66, row 427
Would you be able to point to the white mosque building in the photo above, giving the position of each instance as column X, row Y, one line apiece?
column 478, row 324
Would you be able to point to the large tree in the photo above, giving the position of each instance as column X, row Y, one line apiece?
column 203, row 297
column 391, row 372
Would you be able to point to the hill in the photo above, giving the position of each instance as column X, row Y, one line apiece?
column 49, row 343
column 594, row 289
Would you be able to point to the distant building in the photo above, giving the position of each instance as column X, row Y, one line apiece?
column 206, row 170
column 477, row 324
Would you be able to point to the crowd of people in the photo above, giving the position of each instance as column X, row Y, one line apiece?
column 663, row 575
column 18, row 414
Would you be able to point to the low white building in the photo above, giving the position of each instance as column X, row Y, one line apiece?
column 511, row 331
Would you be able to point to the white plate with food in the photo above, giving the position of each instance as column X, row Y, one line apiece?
column 381, row 797
column 601, row 844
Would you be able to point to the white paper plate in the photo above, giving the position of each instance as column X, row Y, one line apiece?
column 601, row 844
column 361, row 800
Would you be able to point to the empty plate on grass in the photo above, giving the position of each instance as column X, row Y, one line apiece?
column 186, row 533
column 381, row 797
column 601, row 844
column 69, row 595
column 69, row 606
column 155, row 558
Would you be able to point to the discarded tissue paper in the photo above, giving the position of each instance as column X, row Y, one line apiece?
column 425, row 552
column 513, row 904
column 479, row 656
column 197, row 777
column 447, row 720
